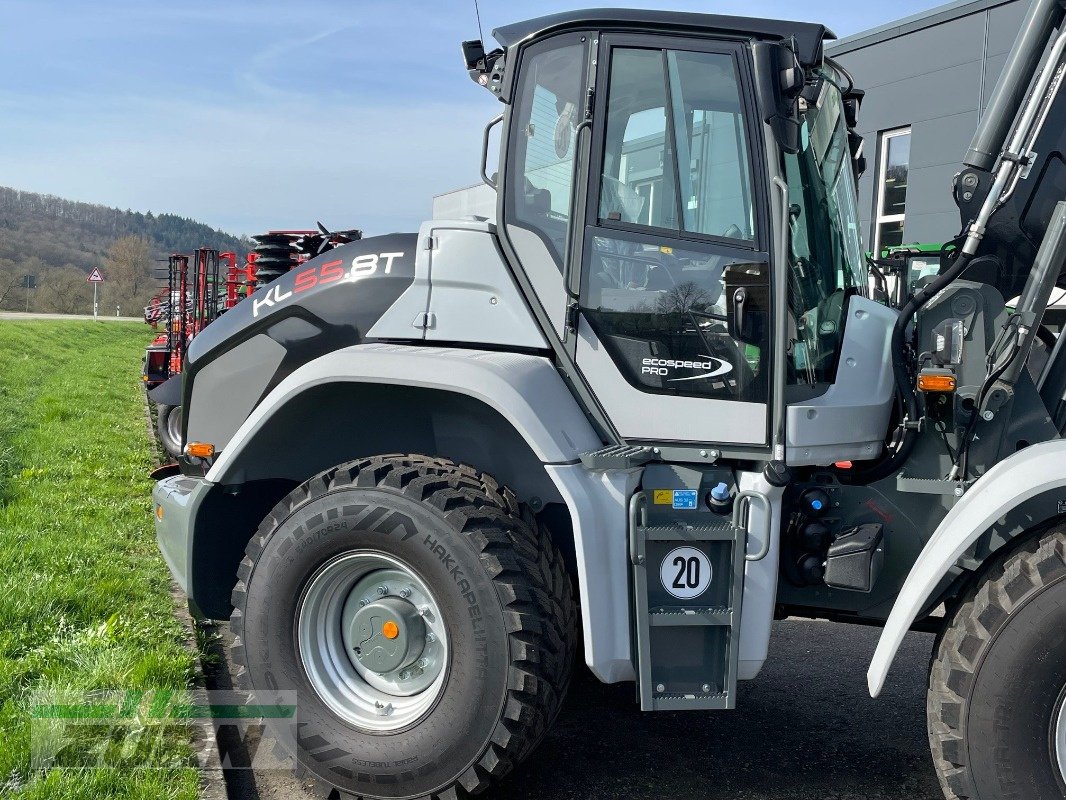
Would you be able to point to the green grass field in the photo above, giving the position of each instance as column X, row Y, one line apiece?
column 84, row 599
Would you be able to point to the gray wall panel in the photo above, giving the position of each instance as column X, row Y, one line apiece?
column 1003, row 24
column 936, row 141
column 931, row 228
column 934, row 73
column 993, row 66
column 940, row 94
column 929, row 190
column 920, row 53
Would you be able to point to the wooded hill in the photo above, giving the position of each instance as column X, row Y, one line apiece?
column 55, row 239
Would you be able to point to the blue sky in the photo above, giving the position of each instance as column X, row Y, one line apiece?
column 255, row 115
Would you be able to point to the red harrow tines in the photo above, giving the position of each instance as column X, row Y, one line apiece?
column 187, row 304
column 277, row 252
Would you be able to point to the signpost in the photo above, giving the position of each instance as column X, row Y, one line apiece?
column 28, row 282
column 95, row 278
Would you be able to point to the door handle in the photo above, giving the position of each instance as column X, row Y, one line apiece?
column 737, row 323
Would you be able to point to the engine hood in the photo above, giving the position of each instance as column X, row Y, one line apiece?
column 347, row 288
column 325, row 304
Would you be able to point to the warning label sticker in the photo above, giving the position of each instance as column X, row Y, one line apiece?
column 683, row 499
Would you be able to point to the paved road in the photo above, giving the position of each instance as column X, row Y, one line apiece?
column 34, row 315
column 805, row 729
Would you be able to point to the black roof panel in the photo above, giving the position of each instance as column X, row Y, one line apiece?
column 809, row 36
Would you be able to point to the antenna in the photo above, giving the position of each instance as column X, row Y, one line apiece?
column 477, row 12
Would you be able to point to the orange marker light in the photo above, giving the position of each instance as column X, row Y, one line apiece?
column 390, row 630
column 936, row 382
column 159, row 512
column 200, row 449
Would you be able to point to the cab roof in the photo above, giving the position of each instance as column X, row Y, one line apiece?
column 809, row 36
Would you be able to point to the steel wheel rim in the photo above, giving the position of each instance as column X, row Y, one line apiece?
column 174, row 426
column 1059, row 734
column 338, row 599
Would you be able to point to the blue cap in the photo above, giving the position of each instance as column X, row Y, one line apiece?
column 816, row 505
column 721, row 491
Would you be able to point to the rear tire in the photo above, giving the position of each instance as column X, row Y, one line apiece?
column 466, row 547
column 997, row 719
column 168, row 426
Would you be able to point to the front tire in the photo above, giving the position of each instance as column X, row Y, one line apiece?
column 484, row 653
column 997, row 689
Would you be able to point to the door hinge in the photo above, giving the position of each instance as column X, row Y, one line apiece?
column 572, row 311
column 424, row 320
column 431, row 243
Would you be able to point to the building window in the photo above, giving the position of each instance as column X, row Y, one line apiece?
column 893, row 163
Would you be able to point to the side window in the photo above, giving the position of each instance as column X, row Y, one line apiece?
column 676, row 153
column 543, row 170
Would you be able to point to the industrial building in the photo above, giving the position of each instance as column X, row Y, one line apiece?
column 927, row 80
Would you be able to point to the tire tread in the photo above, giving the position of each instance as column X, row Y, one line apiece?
column 982, row 613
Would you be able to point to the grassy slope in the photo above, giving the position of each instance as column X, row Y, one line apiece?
column 84, row 600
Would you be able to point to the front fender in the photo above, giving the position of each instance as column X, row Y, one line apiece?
column 525, row 389
column 168, row 393
column 1036, row 473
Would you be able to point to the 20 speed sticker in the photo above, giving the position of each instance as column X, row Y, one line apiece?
column 686, row 572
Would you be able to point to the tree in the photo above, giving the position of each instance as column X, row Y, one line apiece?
column 66, row 291
column 10, row 280
column 128, row 271
column 683, row 298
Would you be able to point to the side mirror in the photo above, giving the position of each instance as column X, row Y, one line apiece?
column 852, row 103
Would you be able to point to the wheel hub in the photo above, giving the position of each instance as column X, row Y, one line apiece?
column 387, row 635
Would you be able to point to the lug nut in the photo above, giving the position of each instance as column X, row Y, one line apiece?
column 431, row 638
column 405, row 593
column 383, row 590
column 422, row 663
column 364, row 602
column 405, row 675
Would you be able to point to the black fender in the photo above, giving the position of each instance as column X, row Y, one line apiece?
column 168, row 393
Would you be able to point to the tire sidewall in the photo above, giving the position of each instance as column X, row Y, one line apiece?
column 1014, row 699
column 168, row 416
column 434, row 751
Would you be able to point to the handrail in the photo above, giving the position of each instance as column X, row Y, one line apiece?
column 742, row 516
column 485, row 151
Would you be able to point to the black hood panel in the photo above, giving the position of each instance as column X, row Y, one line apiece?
column 325, row 304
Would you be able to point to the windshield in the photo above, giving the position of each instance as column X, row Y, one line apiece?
column 826, row 252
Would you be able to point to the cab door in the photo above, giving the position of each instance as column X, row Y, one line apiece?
column 673, row 322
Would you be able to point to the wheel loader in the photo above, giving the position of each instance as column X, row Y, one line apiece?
column 663, row 401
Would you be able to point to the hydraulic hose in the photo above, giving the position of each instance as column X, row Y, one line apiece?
column 904, row 382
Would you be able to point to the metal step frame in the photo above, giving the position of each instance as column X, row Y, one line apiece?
column 681, row 638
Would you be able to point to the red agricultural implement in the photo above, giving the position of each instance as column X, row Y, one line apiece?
column 196, row 293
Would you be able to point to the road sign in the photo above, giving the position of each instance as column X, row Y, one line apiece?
column 95, row 276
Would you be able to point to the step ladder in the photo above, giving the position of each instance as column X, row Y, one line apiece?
column 688, row 647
